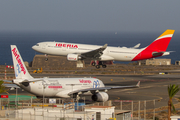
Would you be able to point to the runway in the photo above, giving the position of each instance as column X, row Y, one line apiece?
column 151, row 86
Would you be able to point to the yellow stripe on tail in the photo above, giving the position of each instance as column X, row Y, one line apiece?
column 167, row 32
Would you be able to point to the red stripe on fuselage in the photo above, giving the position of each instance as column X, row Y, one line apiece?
column 159, row 45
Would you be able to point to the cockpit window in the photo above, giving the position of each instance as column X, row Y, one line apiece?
column 37, row 44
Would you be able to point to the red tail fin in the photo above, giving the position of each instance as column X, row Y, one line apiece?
column 157, row 46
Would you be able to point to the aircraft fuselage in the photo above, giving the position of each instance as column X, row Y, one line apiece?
column 63, row 49
column 58, row 87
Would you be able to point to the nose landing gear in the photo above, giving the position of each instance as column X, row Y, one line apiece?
column 46, row 59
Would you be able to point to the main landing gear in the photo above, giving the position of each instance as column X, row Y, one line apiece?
column 97, row 64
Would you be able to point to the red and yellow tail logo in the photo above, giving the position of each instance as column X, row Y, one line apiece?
column 157, row 46
column 167, row 33
column 162, row 42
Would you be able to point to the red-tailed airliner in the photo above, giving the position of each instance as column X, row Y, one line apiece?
column 59, row 87
column 102, row 54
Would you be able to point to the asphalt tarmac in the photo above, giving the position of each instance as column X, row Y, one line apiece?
column 152, row 87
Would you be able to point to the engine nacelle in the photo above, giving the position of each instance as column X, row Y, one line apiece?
column 100, row 97
column 73, row 57
column 25, row 83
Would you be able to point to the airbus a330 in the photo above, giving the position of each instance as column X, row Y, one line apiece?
column 101, row 54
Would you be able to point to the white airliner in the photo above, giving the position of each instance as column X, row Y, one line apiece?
column 102, row 54
column 59, row 87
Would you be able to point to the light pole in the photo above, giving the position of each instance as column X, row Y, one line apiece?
column 43, row 95
column 16, row 97
column 73, row 96
column 44, row 86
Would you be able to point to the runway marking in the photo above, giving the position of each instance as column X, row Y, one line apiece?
column 146, row 87
column 131, row 92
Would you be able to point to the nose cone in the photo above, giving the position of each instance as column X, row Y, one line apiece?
column 34, row 47
column 38, row 48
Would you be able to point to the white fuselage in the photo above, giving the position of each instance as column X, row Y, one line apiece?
column 58, row 87
column 63, row 49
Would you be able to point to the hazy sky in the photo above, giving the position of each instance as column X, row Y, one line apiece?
column 90, row 15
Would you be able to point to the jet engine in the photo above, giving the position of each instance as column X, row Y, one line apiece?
column 25, row 83
column 73, row 57
column 100, row 97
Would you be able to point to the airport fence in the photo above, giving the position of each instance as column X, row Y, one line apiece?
column 52, row 114
column 139, row 109
column 17, row 108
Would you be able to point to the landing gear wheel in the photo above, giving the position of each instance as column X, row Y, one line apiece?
column 46, row 59
column 97, row 66
column 93, row 64
column 104, row 66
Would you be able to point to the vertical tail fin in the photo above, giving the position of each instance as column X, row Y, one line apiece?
column 162, row 42
column 157, row 47
column 19, row 67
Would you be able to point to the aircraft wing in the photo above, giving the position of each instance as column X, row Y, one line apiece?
column 94, row 53
column 96, row 90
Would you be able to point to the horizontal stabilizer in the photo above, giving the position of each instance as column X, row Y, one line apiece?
column 161, row 53
column 29, row 81
column 11, row 86
column 157, row 53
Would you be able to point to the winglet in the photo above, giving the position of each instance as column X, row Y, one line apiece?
column 105, row 46
column 138, row 84
column 136, row 46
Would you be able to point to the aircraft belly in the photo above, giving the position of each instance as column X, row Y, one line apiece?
column 123, row 57
column 39, row 91
column 63, row 94
column 56, row 51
